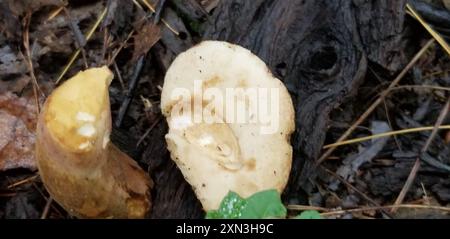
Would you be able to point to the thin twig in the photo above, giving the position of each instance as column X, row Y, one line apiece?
column 433, row 33
column 8, row 194
column 121, row 46
column 367, row 198
column 308, row 208
column 386, row 109
column 411, row 206
column 374, row 105
column 429, row 87
column 55, row 209
column 436, row 73
column 397, row 142
column 138, row 5
column 29, row 60
column 331, row 212
column 47, row 208
column 383, row 135
column 439, row 122
column 23, row 181
column 416, row 167
column 119, row 76
column 131, row 87
column 159, row 8
column 153, row 10
column 106, row 39
column 148, row 131
column 80, row 40
column 55, row 13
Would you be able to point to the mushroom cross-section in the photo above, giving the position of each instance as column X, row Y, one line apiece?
column 230, row 122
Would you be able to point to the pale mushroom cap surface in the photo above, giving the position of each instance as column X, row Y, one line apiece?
column 232, row 155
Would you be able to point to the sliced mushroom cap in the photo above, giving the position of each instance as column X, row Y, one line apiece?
column 230, row 122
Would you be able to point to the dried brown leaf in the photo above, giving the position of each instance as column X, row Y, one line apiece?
column 148, row 35
column 17, row 132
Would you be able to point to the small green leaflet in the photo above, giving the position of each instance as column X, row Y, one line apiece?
column 265, row 204
column 230, row 208
column 261, row 205
column 309, row 215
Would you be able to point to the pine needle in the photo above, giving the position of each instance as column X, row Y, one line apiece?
column 331, row 212
column 77, row 53
column 55, row 13
column 152, row 9
column 383, row 135
column 433, row 33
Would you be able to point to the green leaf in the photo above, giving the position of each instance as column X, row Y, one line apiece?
column 309, row 215
column 230, row 207
column 265, row 204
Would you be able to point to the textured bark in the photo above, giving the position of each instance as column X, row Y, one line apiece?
column 320, row 49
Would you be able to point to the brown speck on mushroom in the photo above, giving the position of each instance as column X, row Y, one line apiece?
column 251, row 164
column 215, row 80
column 242, row 83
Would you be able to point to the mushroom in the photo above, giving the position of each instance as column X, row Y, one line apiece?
column 230, row 122
column 81, row 169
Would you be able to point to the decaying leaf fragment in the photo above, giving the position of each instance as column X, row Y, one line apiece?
column 17, row 132
column 148, row 35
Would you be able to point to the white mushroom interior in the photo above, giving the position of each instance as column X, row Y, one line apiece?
column 230, row 122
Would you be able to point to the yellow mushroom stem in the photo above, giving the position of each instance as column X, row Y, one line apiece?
column 81, row 169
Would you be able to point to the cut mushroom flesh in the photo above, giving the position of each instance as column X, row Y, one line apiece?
column 223, row 155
